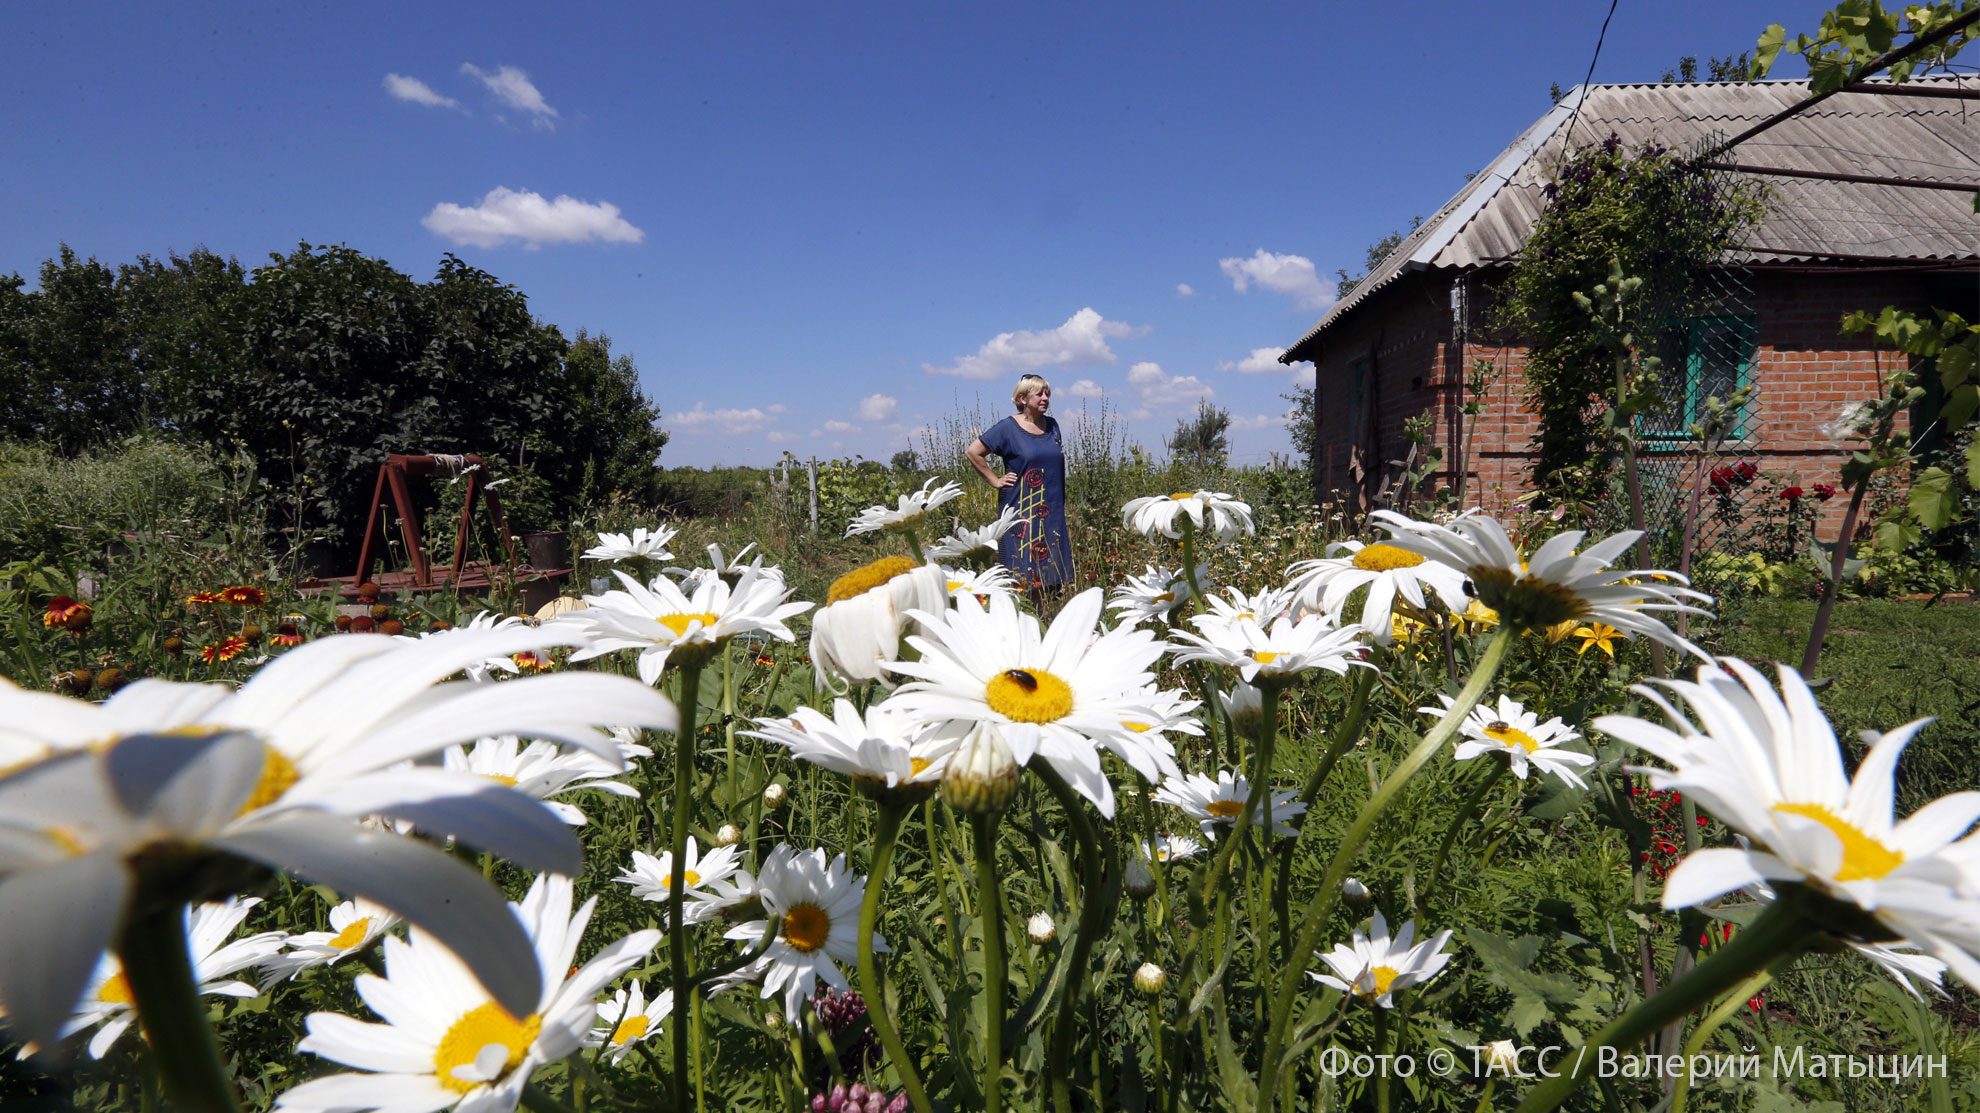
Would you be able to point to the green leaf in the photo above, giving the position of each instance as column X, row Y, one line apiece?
column 1825, row 560
column 1932, row 502
column 1960, row 405
column 1767, row 49
column 1973, row 464
column 1895, row 535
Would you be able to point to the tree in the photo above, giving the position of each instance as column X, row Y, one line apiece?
column 1299, row 422
column 1203, row 437
column 62, row 355
column 1372, row 258
column 905, row 461
column 1733, row 67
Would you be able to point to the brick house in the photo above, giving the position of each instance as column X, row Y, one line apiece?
column 1399, row 344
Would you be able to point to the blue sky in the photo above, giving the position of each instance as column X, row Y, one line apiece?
column 817, row 228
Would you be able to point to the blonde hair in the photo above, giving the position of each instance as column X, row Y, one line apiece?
column 1027, row 386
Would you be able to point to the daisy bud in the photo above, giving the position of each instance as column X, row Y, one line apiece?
column 773, row 795
column 729, row 835
column 773, row 1020
column 1246, row 707
column 1501, row 1057
column 1041, row 929
column 1139, row 883
column 982, row 775
column 174, row 646
column 1356, row 894
column 1149, row 978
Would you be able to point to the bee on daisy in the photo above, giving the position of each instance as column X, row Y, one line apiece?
column 1510, row 729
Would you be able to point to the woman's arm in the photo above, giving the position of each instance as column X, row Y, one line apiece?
column 977, row 451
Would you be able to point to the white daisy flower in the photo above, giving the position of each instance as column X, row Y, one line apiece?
column 662, row 622
column 539, row 770
column 629, row 1019
column 1055, row 695
column 1217, row 803
column 1904, row 966
column 1273, row 655
column 1375, row 967
column 819, row 904
column 485, row 669
column 1768, row 765
column 354, row 925
column 1386, row 571
column 913, row 506
column 888, row 754
column 1262, row 607
column 994, row 580
column 1163, row 849
column 270, row 773
column 1155, row 594
column 1512, row 730
column 107, row 1000
column 859, row 629
column 1554, row 584
column 445, row 1043
column 640, row 544
column 724, row 568
column 963, row 542
column 651, row 877
column 1209, row 512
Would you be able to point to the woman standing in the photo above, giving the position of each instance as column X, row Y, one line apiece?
column 1038, row 549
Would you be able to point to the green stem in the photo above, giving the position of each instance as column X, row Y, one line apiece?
column 990, row 914
column 1261, row 789
column 1381, row 1047
column 1314, row 920
column 157, row 963
column 1096, row 910
column 729, row 723
column 1345, row 733
column 677, row 877
column 1777, row 934
column 1739, row 996
column 1819, row 632
column 1465, row 813
column 884, row 833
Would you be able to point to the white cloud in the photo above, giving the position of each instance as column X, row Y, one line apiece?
column 1158, row 390
column 1260, row 361
column 1252, row 424
column 841, row 427
column 417, row 91
column 1305, row 375
column 1081, row 340
column 1086, row 388
column 876, row 407
column 1185, row 290
column 506, row 214
column 729, row 421
column 1291, row 275
column 512, row 87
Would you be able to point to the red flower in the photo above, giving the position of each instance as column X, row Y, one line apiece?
column 244, row 596
column 224, row 650
column 1790, row 494
column 198, row 598
column 287, row 635
column 1722, row 480
column 1745, row 471
column 1041, row 549
column 363, row 624
column 1824, row 491
column 532, row 662
column 65, row 613
column 1035, row 477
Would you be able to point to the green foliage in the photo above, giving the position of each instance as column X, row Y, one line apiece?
column 1856, row 32
column 316, row 365
column 52, row 504
column 1733, row 67
column 1203, row 438
column 1654, row 216
column 1373, row 256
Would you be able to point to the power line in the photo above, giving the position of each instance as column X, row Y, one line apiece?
column 1567, row 142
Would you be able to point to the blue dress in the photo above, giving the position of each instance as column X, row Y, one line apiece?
column 1038, row 550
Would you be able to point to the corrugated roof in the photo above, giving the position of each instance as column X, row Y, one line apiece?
column 1853, row 133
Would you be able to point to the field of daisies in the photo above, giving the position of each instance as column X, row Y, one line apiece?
column 1451, row 813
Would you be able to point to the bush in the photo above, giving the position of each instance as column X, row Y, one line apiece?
column 51, row 505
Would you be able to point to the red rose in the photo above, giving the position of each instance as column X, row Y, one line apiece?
column 1825, row 491
column 1790, row 494
column 1746, row 471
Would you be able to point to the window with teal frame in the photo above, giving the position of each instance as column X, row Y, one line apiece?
column 1701, row 357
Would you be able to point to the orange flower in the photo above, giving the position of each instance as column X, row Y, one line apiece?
column 224, row 650
column 65, row 613
column 287, row 635
column 199, row 597
column 245, row 596
column 533, row 662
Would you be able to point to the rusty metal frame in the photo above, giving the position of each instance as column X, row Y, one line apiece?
column 392, row 482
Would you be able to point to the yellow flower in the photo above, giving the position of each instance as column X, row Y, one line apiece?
column 1559, row 631
column 1598, row 635
column 1476, row 617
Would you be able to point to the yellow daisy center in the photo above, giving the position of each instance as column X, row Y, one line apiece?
column 278, row 775
column 1528, row 602
column 1180, row 496
column 116, row 990
column 1264, row 656
column 688, row 877
column 861, row 580
column 954, row 584
column 501, row 779
column 1385, row 558
column 352, row 935
column 679, row 623
column 917, row 766
column 629, row 1029
column 1166, row 597
column 806, row 927
column 1225, row 809
column 1385, row 976
column 62, row 837
column 1029, row 696
column 1863, row 856
column 1138, row 728
column 1507, row 735
column 481, row 1026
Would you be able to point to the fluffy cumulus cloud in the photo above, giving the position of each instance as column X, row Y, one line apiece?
column 1291, row 275
column 1303, row 374
column 1260, row 361
column 1081, row 340
column 1156, row 390
column 506, row 214
column 417, row 91
column 876, row 407
column 725, row 421
column 1242, row 424
column 1085, row 388
column 513, row 87
column 841, row 427
column 1185, row 290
